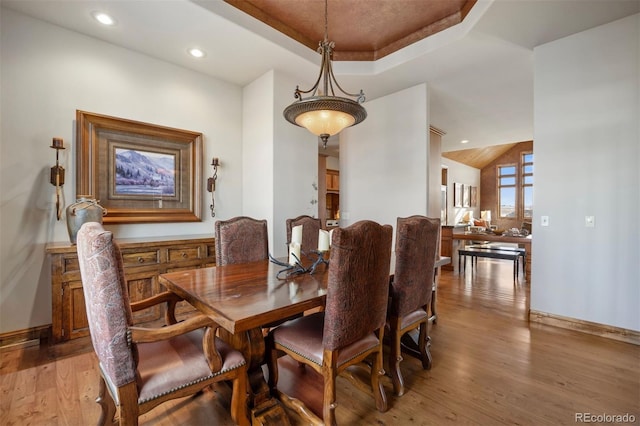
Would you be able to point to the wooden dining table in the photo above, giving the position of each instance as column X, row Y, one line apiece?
column 243, row 298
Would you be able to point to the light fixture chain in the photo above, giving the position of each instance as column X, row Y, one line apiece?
column 326, row 21
column 323, row 113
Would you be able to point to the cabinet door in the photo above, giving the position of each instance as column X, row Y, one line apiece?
column 329, row 181
column 333, row 180
column 74, row 313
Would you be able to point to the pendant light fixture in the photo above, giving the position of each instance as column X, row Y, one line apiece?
column 323, row 113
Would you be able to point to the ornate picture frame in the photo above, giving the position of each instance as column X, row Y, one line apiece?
column 139, row 172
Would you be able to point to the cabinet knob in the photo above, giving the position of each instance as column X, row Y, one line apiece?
column 184, row 254
column 140, row 260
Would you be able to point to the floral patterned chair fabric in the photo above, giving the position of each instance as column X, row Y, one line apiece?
column 241, row 240
column 351, row 328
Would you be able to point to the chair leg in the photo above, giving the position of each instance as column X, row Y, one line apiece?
column 239, row 409
column 377, row 370
column 329, row 400
column 395, row 357
column 107, row 406
column 128, row 397
column 424, row 343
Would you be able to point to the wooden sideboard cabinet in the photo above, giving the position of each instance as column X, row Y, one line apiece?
column 143, row 258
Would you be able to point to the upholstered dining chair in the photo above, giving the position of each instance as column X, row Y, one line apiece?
column 411, row 289
column 140, row 368
column 310, row 228
column 351, row 328
column 241, row 239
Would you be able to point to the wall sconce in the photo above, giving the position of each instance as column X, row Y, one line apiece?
column 57, row 175
column 211, row 184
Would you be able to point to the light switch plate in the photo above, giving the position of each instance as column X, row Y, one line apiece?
column 544, row 220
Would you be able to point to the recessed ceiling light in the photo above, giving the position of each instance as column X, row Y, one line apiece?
column 464, row 141
column 103, row 18
column 196, row 53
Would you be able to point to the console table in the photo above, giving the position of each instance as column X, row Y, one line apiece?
column 143, row 258
column 525, row 242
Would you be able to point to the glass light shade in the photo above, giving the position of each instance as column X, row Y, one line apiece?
column 325, row 115
column 324, row 121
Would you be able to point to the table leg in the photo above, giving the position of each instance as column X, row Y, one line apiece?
column 265, row 409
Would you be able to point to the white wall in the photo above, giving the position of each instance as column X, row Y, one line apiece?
column 587, row 155
column 296, row 165
column 280, row 160
column 46, row 74
column 383, row 160
column 257, row 155
column 467, row 175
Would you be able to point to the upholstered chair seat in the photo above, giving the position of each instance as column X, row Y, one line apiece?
column 167, row 365
column 304, row 336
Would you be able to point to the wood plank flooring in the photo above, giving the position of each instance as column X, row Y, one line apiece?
column 490, row 367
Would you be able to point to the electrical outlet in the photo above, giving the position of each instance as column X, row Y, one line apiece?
column 544, row 220
column 590, row 221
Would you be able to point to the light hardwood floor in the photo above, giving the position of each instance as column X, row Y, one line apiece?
column 490, row 367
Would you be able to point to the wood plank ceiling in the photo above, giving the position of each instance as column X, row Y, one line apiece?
column 478, row 157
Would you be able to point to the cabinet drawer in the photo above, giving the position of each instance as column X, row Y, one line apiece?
column 137, row 258
column 70, row 264
column 211, row 251
column 184, row 253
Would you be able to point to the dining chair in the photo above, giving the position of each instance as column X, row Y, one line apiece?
column 241, row 239
column 310, row 229
column 140, row 367
column 351, row 328
column 411, row 290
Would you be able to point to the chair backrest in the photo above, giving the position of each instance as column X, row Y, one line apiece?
column 358, row 283
column 416, row 250
column 310, row 228
column 107, row 302
column 240, row 240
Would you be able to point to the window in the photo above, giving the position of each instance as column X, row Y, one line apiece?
column 507, row 190
column 515, row 189
column 527, row 185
